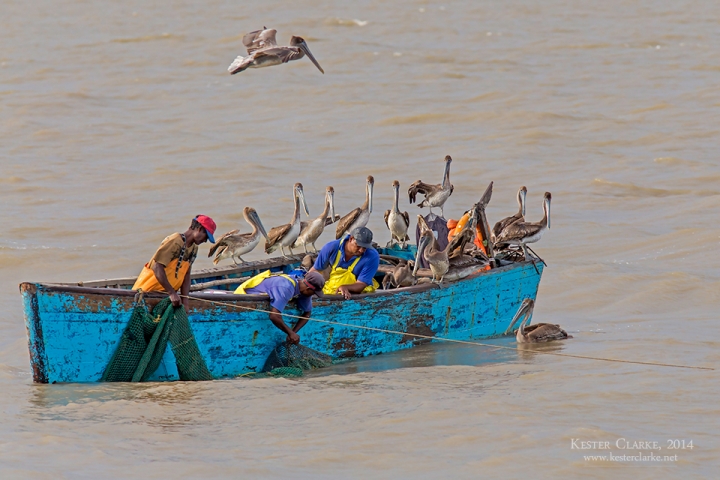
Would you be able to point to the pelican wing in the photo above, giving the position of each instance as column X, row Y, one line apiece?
column 283, row 54
column 406, row 217
column 545, row 332
column 505, row 222
column 275, row 234
column 421, row 187
column 330, row 221
column 517, row 231
column 345, row 222
column 259, row 39
column 221, row 242
column 387, row 216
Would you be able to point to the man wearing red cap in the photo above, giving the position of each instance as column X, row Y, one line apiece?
column 169, row 269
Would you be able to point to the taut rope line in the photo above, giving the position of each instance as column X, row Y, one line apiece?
column 465, row 342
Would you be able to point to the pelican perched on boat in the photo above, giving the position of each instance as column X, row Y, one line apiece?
column 358, row 217
column 311, row 231
column 400, row 276
column 518, row 217
column 397, row 221
column 538, row 333
column 435, row 195
column 522, row 233
column 234, row 244
column 263, row 51
column 428, row 248
column 285, row 235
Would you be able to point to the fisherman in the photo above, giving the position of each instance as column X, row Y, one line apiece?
column 169, row 269
column 282, row 288
column 353, row 263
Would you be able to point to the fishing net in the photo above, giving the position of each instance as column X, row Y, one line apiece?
column 288, row 360
column 145, row 340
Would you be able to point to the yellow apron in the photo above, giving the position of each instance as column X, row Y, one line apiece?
column 258, row 279
column 341, row 276
column 149, row 282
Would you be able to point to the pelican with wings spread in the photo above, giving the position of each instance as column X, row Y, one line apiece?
column 263, row 51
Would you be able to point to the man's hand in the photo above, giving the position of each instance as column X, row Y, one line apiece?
column 175, row 299
column 293, row 338
column 343, row 290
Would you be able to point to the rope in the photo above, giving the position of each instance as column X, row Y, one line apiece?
column 451, row 340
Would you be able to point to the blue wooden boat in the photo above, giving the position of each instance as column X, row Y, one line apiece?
column 74, row 329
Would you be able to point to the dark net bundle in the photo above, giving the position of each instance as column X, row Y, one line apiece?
column 145, row 339
column 288, row 360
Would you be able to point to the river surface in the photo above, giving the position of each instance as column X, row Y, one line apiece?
column 119, row 123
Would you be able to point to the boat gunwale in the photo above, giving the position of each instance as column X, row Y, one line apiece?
column 250, row 298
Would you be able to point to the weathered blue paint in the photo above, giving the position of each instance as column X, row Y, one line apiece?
column 73, row 331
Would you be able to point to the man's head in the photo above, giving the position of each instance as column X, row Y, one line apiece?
column 359, row 241
column 312, row 283
column 205, row 228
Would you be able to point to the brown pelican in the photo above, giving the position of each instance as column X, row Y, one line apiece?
column 400, row 276
column 397, row 221
column 435, row 195
column 233, row 244
column 263, row 51
column 358, row 217
column 518, row 217
column 311, row 231
column 285, row 235
column 538, row 333
column 428, row 249
column 521, row 233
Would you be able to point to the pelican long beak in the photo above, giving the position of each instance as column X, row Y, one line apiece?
column 523, row 312
column 424, row 240
column 331, row 199
column 523, row 194
column 305, row 49
column 256, row 219
column 547, row 211
column 301, row 194
column 446, row 174
column 370, row 187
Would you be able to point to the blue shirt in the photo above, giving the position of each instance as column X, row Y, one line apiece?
column 281, row 291
column 364, row 271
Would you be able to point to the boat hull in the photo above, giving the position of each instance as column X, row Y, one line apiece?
column 73, row 331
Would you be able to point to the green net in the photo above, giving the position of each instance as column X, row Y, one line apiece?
column 145, row 340
column 288, row 360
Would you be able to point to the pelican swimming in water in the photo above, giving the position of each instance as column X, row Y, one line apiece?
column 234, row 244
column 518, row 217
column 397, row 221
column 522, row 233
column 358, row 217
column 538, row 333
column 285, row 235
column 435, row 195
column 263, row 51
column 311, row 231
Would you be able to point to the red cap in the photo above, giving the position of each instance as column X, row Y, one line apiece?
column 209, row 226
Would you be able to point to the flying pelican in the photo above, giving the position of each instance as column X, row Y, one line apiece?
column 397, row 221
column 518, row 217
column 400, row 276
column 311, row 231
column 263, row 51
column 435, row 195
column 358, row 217
column 285, row 235
column 538, row 333
column 521, row 233
column 233, row 244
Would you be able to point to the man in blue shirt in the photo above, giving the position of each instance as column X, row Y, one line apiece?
column 353, row 263
column 281, row 289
